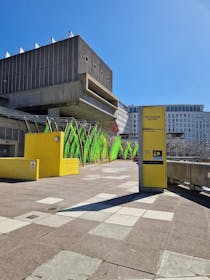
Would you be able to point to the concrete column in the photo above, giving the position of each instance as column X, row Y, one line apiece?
column 54, row 112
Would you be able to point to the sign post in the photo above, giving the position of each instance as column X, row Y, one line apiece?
column 152, row 149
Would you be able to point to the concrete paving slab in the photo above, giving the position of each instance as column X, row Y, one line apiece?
column 32, row 216
column 135, row 257
column 148, row 199
column 107, row 271
column 158, row 215
column 184, row 278
column 50, row 200
column 54, row 221
column 9, row 225
column 23, row 260
column 111, row 231
column 2, row 218
column 127, row 184
column 113, row 170
column 32, row 232
column 188, row 245
column 134, row 189
column 68, row 234
column 168, row 193
column 121, row 177
column 94, row 199
column 32, row 278
column 124, row 220
column 179, row 265
column 96, row 246
column 72, row 214
column 106, row 195
column 150, row 238
column 68, row 265
column 131, row 211
column 92, row 177
column 113, row 209
column 97, row 216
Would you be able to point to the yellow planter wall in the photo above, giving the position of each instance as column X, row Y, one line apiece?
column 19, row 168
column 48, row 148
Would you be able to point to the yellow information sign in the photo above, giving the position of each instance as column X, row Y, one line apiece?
column 152, row 140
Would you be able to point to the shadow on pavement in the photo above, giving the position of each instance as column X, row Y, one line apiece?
column 194, row 196
column 105, row 204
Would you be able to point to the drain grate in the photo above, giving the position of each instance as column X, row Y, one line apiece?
column 32, row 217
column 52, row 208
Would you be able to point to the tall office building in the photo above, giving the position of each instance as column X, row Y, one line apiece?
column 189, row 121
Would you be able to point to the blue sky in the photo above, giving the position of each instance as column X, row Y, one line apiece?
column 159, row 50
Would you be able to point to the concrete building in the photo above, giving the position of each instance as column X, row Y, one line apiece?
column 123, row 121
column 133, row 112
column 12, row 130
column 62, row 79
column 190, row 121
column 65, row 78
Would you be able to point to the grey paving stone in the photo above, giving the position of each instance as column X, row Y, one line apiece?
column 9, row 225
column 23, row 260
column 152, row 239
column 68, row 234
column 147, row 199
column 112, row 209
column 54, row 221
column 111, row 231
column 32, row 232
column 32, row 216
column 96, row 246
column 2, row 218
column 136, row 257
column 113, row 170
column 184, row 278
column 68, row 265
column 124, row 220
column 107, row 271
column 188, row 245
column 150, row 225
column 50, row 200
column 127, row 184
column 131, row 211
column 106, row 195
column 179, row 265
column 97, row 216
column 158, row 215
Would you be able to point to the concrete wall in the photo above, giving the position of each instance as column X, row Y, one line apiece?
column 196, row 174
column 91, row 63
column 11, row 137
column 48, row 65
column 52, row 64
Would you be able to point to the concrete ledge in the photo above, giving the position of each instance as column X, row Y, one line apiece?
column 19, row 168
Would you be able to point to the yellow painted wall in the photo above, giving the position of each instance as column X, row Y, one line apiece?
column 19, row 168
column 48, row 148
column 69, row 166
column 154, row 147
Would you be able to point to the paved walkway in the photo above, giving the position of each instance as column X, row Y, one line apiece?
column 96, row 226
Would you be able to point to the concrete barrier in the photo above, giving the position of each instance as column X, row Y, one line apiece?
column 19, row 168
column 197, row 174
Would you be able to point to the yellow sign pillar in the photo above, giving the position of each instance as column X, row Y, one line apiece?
column 152, row 149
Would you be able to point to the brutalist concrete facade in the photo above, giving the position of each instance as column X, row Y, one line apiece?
column 67, row 75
